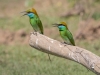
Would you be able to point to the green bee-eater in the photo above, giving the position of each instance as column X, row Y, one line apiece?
column 35, row 21
column 65, row 33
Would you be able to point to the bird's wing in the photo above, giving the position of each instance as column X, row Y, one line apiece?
column 39, row 23
column 70, row 37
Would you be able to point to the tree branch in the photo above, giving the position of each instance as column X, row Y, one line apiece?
column 74, row 53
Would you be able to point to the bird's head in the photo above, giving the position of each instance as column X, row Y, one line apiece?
column 61, row 25
column 30, row 12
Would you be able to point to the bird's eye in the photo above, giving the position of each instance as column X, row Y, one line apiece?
column 28, row 12
column 61, row 25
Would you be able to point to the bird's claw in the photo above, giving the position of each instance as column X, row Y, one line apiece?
column 35, row 33
column 65, row 43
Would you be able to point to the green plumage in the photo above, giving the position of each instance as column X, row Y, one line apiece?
column 65, row 33
column 36, row 24
column 67, row 36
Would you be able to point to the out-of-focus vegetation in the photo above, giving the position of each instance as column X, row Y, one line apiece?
column 96, row 15
column 18, row 58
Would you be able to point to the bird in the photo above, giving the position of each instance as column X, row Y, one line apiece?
column 35, row 21
column 65, row 33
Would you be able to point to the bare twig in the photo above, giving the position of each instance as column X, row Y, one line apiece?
column 74, row 53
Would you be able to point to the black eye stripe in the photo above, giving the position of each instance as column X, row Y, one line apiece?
column 29, row 12
column 61, row 25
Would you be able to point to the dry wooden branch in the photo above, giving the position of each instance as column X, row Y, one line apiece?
column 74, row 53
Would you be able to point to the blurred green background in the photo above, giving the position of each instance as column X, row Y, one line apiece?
column 18, row 58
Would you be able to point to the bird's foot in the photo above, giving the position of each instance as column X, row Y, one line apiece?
column 35, row 33
column 65, row 43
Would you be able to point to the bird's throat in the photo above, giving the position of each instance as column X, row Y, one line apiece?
column 31, row 17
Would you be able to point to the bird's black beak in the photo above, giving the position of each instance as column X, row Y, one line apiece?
column 55, row 25
column 24, row 13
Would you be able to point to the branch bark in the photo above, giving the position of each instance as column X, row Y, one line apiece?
column 74, row 53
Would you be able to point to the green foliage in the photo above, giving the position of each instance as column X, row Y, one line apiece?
column 96, row 15
column 72, row 2
column 29, row 3
column 3, row 22
column 97, row 0
column 24, row 60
